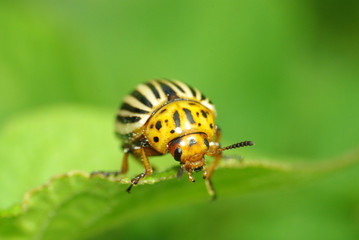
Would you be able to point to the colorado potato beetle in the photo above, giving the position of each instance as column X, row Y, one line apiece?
column 167, row 116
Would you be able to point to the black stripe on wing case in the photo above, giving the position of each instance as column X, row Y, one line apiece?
column 203, row 97
column 193, row 91
column 141, row 98
column 127, row 119
column 130, row 108
column 154, row 90
column 181, row 89
column 170, row 93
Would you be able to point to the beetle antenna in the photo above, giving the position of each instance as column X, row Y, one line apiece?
column 237, row 145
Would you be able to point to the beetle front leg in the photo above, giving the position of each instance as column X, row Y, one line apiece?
column 213, row 151
column 209, row 172
column 148, row 171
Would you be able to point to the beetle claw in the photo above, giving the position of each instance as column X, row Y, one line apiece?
column 129, row 188
column 190, row 177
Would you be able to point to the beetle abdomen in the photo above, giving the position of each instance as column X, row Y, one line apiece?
column 147, row 98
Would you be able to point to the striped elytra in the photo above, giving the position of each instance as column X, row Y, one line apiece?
column 163, row 104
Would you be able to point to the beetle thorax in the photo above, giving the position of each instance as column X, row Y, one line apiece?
column 177, row 119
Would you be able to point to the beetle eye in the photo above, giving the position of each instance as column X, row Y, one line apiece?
column 178, row 154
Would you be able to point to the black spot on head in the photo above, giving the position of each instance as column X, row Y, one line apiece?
column 191, row 103
column 158, row 125
column 163, row 111
column 206, row 142
column 197, row 114
column 172, row 131
column 151, row 126
column 156, row 139
column 211, row 125
column 204, row 114
column 166, row 120
column 192, row 142
column 199, row 124
column 178, row 154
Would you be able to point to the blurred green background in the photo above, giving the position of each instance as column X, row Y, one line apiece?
column 284, row 74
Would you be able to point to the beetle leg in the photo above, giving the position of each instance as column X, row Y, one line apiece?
column 124, row 167
column 190, row 177
column 204, row 172
column 208, row 176
column 210, row 189
column 137, row 152
column 148, row 170
column 213, row 151
column 215, row 145
column 213, row 165
column 115, row 173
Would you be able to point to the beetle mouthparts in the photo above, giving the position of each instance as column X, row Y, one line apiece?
column 198, row 169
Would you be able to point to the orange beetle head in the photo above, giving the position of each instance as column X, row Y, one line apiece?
column 189, row 150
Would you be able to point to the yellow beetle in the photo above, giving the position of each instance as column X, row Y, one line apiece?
column 163, row 116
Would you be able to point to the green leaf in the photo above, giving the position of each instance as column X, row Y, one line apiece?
column 62, row 138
